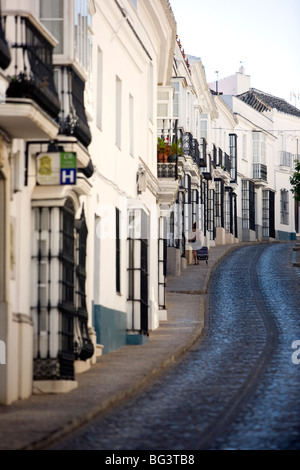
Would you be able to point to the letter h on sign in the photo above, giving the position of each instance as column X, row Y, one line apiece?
column 67, row 176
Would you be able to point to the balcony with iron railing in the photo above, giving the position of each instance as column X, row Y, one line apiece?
column 226, row 162
column 208, row 170
column 219, row 162
column 287, row 159
column 72, row 118
column 5, row 56
column 214, row 156
column 169, row 149
column 192, row 148
column 31, row 73
column 259, row 172
column 167, row 170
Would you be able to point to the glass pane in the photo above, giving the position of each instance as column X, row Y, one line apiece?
column 56, row 29
column 43, row 247
column 42, row 293
column 36, row 220
column 53, row 9
column 44, row 320
column 45, row 219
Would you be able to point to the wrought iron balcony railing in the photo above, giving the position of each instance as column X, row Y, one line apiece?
column 214, row 156
column 207, row 171
column 287, row 159
column 166, row 170
column 219, row 157
column 203, row 152
column 260, row 172
column 5, row 56
column 31, row 72
column 226, row 162
column 191, row 147
column 72, row 118
column 169, row 143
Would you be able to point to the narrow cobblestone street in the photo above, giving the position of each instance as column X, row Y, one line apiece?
column 238, row 387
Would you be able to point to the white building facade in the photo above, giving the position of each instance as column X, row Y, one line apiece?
column 268, row 146
column 132, row 57
column 81, row 252
column 112, row 145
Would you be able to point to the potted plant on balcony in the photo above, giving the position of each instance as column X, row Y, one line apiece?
column 163, row 150
column 175, row 150
column 19, row 86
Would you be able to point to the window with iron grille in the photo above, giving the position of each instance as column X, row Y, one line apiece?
column 53, row 294
column 195, row 207
column 233, row 156
column 187, row 206
column 228, row 211
column 5, row 54
column 204, row 197
column 268, row 214
column 118, row 252
column 219, row 203
column 248, row 205
column 138, row 271
column 220, row 157
column 178, row 227
column 58, row 292
column 162, row 262
column 284, row 207
column 210, row 214
column 77, row 92
column 234, row 218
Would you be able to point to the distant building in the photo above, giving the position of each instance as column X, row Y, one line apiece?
column 268, row 133
column 232, row 85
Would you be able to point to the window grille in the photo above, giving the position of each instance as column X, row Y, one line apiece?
column 268, row 214
column 58, row 292
column 210, row 214
column 228, row 211
column 233, row 156
column 118, row 252
column 284, row 207
column 219, row 203
column 162, row 262
column 138, row 271
column 195, row 207
column 248, row 205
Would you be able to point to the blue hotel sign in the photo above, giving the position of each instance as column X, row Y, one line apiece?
column 57, row 168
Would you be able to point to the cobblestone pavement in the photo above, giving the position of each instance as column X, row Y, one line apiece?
column 238, row 388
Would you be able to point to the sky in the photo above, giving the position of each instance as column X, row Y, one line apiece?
column 261, row 35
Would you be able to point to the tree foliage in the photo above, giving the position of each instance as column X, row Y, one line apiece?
column 295, row 182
